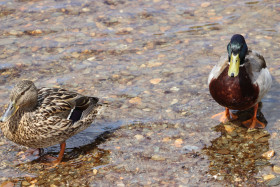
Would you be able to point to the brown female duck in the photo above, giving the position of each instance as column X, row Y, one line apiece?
column 39, row 118
column 240, row 80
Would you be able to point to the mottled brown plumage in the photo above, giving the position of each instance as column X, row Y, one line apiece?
column 39, row 118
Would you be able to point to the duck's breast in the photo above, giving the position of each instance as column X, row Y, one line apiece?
column 237, row 93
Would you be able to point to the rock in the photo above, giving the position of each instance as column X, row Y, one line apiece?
column 154, row 64
column 135, row 100
column 166, row 139
column 276, row 169
column 155, row 81
column 174, row 101
column 268, row 155
column 25, row 183
column 139, row 137
column 229, row 128
column 178, row 142
column 157, row 158
column 268, row 177
column 189, row 148
column 175, row 89
column 205, row 4
column 94, row 171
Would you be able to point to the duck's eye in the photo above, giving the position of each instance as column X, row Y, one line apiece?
column 22, row 93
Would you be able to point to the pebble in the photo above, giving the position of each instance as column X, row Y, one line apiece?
column 135, row 100
column 229, row 128
column 189, row 149
column 166, row 139
column 157, row 158
column 205, row 4
column 268, row 177
column 268, row 155
column 139, row 136
column 94, row 171
column 174, row 101
column 154, row 64
column 155, row 81
column 175, row 89
column 25, row 183
column 276, row 169
column 178, row 142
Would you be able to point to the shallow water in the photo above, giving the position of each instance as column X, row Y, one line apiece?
column 149, row 61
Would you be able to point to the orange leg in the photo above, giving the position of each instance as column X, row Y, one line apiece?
column 251, row 123
column 224, row 116
column 61, row 153
column 59, row 158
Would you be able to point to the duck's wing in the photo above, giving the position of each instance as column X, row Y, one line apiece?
column 218, row 68
column 65, row 104
column 258, row 72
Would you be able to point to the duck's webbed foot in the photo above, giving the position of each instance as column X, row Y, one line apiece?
column 224, row 116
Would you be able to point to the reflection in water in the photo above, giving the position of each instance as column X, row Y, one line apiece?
column 237, row 154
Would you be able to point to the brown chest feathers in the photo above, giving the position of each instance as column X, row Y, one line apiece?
column 237, row 93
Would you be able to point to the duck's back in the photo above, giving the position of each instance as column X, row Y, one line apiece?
column 59, row 115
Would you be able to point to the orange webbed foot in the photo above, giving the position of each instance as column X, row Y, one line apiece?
column 225, row 116
column 253, row 123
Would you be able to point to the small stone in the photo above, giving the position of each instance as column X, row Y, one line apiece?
column 189, row 148
column 53, row 185
column 85, row 9
column 146, row 109
column 139, row 137
column 166, row 139
column 25, row 183
column 135, row 100
column 37, row 31
column 178, row 142
column 155, row 81
column 157, row 158
column 174, row 101
column 154, row 64
column 268, row 177
column 94, row 171
column 205, row 4
column 229, row 128
column 75, row 55
column 269, row 154
column 175, row 89
column 276, row 169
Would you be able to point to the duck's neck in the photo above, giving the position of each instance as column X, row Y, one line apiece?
column 10, row 127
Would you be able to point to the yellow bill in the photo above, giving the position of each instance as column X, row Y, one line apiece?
column 233, row 69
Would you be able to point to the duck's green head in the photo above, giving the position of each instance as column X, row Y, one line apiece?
column 237, row 50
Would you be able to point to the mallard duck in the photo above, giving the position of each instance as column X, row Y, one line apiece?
column 39, row 118
column 240, row 80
